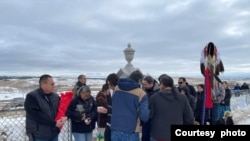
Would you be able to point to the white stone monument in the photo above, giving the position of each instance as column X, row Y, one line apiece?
column 129, row 68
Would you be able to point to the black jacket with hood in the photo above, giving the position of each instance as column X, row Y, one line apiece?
column 168, row 107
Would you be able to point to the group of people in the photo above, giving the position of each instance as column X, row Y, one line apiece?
column 124, row 108
column 238, row 89
column 220, row 108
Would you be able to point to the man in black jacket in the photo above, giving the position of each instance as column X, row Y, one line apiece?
column 41, row 109
column 150, row 86
column 168, row 107
column 182, row 83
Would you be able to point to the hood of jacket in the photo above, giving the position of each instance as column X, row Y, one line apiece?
column 168, row 95
column 127, row 84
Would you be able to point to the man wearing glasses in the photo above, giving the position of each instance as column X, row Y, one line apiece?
column 182, row 83
column 189, row 91
column 41, row 109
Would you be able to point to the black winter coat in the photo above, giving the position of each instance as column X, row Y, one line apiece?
column 167, row 108
column 41, row 110
column 89, row 108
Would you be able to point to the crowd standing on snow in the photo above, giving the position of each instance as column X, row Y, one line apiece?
column 125, row 107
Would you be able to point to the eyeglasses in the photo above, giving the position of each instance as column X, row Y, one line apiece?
column 180, row 82
column 52, row 83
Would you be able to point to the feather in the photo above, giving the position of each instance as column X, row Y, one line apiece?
column 211, row 56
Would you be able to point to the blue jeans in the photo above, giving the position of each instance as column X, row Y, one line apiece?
column 83, row 136
column 53, row 139
column 215, row 113
column 124, row 136
column 223, row 109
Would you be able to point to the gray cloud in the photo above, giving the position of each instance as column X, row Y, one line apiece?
column 73, row 37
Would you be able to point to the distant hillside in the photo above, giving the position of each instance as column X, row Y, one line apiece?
column 29, row 77
column 16, row 77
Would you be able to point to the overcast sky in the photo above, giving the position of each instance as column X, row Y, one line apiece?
column 63, row 37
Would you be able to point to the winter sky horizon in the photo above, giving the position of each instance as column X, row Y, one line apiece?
column 75, row 37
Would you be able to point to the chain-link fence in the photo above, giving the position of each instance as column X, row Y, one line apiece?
column 12, row 122
column 12, row 126
column 242, row 93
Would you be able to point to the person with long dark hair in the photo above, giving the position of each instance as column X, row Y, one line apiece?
column 202, row 117
column 106, row 110
column 102, row 103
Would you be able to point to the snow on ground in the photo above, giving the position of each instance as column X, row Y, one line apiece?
column 8, row 96
column 10, row 126
column 240, row 107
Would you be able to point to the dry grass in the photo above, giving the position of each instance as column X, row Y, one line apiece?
column 24, row 86
column 13, row 113
column 27, row 85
